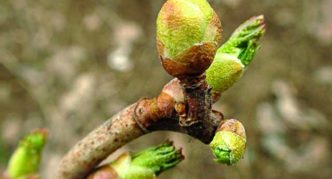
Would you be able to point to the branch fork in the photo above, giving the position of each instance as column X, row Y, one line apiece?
column 181, row 108
column 142, row 117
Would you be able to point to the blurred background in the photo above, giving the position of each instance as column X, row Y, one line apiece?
column 69, row 65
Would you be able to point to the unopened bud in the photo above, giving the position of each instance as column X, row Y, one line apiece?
column 229, row 143
column 188, row 32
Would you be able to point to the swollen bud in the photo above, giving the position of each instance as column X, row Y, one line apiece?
column 25, row 161
column 229, row 143
column 188, row 32
column 233, row 57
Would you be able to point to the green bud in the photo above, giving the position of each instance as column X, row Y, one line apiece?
column 224, row 72
column 229, row 143
column 26, row 159
column 159, row 158
column 188, row 32
column 146, row 164
column 233, row 57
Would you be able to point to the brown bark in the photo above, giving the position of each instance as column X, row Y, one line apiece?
column 100, row 143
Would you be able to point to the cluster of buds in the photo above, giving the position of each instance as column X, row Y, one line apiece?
column 188, row 33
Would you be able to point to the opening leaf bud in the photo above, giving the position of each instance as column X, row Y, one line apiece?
column 147, row 164
column 233, row 57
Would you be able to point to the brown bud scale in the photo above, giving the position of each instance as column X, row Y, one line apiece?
column 193, row 62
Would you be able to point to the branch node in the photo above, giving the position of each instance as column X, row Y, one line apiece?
column 137, row 115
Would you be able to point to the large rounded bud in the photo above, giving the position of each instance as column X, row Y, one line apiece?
column 188, row 32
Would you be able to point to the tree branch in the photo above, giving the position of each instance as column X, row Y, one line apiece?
column 99, row 144
column 142, row 117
